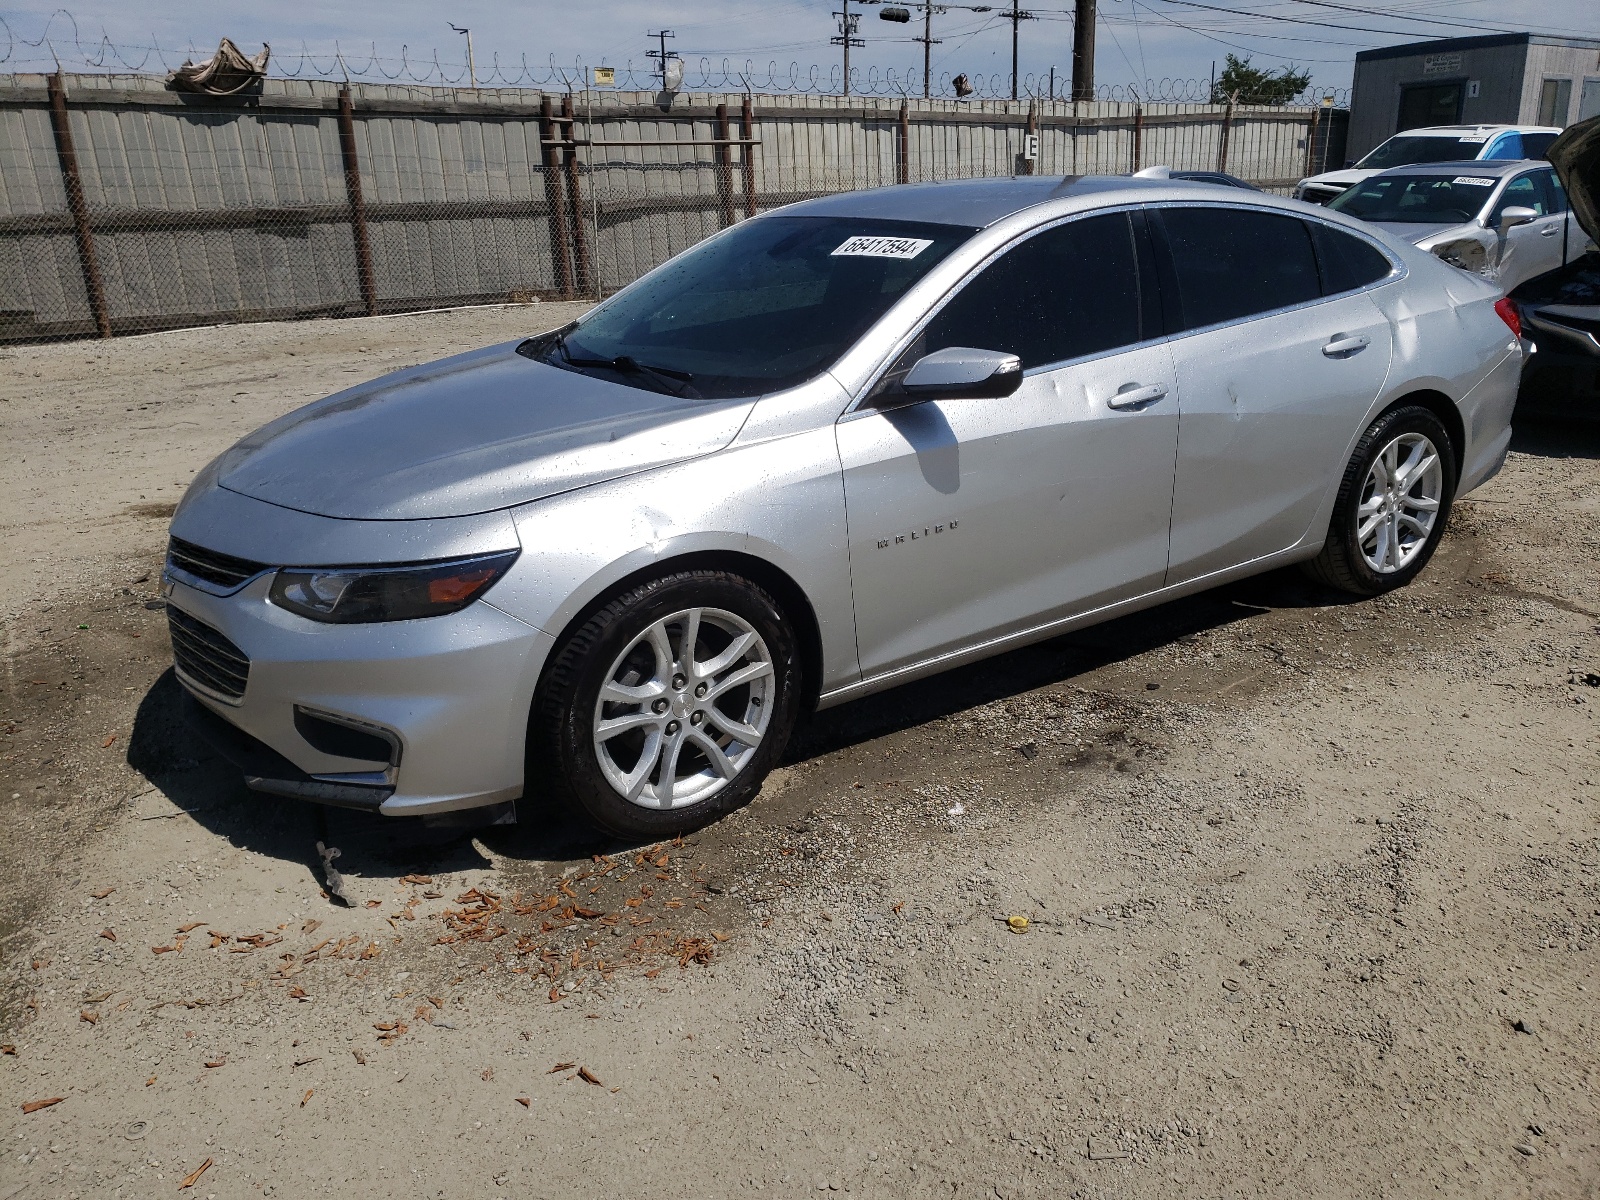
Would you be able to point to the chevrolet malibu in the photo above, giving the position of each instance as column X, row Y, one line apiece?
column 837, row 447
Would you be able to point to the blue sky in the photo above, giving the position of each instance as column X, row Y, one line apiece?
column 1138, row 39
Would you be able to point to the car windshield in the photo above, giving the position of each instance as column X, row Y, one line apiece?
column 768, row 305
column 1403, row 151
column 1417, row 199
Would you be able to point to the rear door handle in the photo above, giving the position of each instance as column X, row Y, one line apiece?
column 1132, row 395
column 1343, row 345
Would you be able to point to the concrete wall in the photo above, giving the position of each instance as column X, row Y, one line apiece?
column 204, row 209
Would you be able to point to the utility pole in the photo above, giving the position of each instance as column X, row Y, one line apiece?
column 927, row 39
column 472, row 71
column 1083, row 51
column 848, row 23
column 1017, row 16
column 662, row 55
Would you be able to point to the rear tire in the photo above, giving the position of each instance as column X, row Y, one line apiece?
column 648, row 742
column 1394, row 501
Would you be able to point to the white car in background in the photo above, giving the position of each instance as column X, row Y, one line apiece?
column 1437, row 143
column 1506, row 221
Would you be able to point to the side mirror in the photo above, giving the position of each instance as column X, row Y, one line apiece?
column 960, row 372
column 1516, row 215
column 1348, row 163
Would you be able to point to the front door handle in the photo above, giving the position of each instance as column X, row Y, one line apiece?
column 1133, row 395
column 1550, row 231
column 1345, row 345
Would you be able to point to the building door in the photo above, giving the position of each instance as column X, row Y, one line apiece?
column 1589, row 101
column 1429, row 104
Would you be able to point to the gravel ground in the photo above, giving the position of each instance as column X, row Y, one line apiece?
column 1311, row 886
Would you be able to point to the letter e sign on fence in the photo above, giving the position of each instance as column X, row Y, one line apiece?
column 1030, row 147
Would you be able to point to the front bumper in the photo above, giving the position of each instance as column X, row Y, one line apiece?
column 449, row 694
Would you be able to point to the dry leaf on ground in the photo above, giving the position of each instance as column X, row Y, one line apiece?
column 109, row 935
column 193, row 1176
column 33, row 1106
column 525, row 1101
column 102, row 893
column 564, row 1066
column 588, row 1076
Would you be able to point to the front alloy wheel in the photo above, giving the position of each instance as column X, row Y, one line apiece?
column 668, row 706
column 683, row 708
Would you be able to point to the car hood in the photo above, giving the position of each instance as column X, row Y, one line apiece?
column 1409, row 231
column 1576, row 158
column 477, row 432
column 1345, row 178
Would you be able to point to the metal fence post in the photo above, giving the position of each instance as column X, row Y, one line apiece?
column 1227, row 129
column 68, row 157
column 580, row 236
column 903, row 146
column 358, row 207
column 747, row 159
column 1138, row 137
column 1030, row 166
column 1311, row 139
column 722, row 156
column 555, row 201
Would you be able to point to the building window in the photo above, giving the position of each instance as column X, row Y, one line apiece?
column 1555, row 100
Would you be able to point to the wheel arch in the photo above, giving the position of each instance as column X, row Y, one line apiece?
column 1441, row 406
column 791, row 597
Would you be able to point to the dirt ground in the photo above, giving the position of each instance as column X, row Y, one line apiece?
column 1312, row 886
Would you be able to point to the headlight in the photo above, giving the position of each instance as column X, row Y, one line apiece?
column 346, row 595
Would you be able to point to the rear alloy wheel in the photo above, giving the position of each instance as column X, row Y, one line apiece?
column 1392, row 505
column 671, row 704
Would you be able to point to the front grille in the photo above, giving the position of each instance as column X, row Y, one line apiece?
column 205, row 656
column 220, row 570
column 1323, row 193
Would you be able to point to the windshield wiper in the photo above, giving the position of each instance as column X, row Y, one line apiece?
column 675, row 383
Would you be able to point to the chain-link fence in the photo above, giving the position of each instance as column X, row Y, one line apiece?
column 125, row 207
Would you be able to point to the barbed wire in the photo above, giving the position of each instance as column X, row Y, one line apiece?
column 102, row 55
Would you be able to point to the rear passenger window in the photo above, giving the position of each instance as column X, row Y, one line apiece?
column 1347, row 262
column 1534, row 145
column 1233, row 262
column 1064, row 293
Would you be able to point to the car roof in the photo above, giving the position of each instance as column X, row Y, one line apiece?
column 1499, row 168
column 1458, row 130
column 978, row 203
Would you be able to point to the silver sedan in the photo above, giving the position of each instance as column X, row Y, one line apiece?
column 837, row 447
column 1508, row 221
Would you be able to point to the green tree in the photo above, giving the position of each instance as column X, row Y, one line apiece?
column 1251, row 86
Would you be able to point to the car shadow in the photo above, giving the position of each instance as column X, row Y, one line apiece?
column 1056, row 661
column 1547, row 435
column 193, row 778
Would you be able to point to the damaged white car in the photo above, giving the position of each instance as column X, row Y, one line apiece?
column 1506, row 221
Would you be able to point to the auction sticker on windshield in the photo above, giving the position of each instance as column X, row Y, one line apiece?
column 882, row 247
column 1474, row 180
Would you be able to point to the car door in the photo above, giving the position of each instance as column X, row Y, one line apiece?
column 1275, row 371
column 1573, row 239
column 972, row 519
column 1534, row 248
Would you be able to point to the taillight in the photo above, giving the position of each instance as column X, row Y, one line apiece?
column 1508, row 314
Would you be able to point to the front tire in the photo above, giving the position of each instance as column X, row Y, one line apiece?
column 1392, row 507
column 670, row 705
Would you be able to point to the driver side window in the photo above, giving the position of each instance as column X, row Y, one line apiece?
column 1521, row 192
column 1068, row 292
